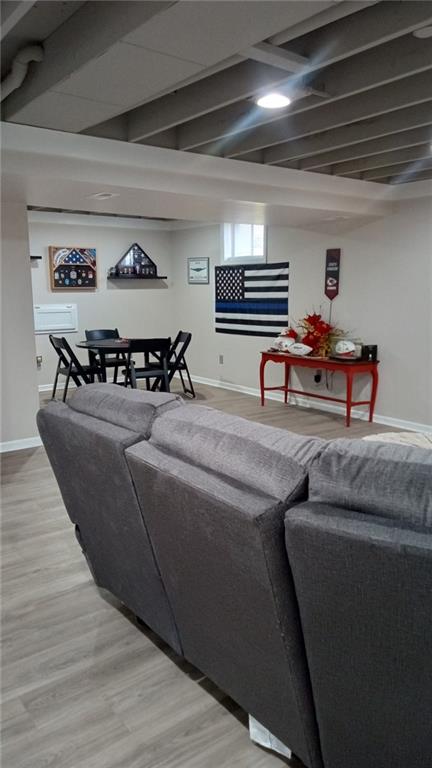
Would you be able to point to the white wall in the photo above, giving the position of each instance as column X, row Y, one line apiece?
column 19, row 398
column 385, row 298
column 136, row 308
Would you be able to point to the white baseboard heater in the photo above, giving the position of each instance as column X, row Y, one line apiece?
column 55, row 318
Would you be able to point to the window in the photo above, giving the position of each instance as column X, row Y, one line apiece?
column 244, row 242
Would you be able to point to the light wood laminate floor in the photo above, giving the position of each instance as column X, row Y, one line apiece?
column 83, row 685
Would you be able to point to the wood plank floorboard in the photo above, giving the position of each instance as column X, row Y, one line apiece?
column 83, row 685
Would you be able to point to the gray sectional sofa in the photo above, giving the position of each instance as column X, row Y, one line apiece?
column 295, row 573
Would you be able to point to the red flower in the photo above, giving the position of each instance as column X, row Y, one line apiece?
column 313, row 319
column 323, row 328
column 292, row 333
column 309, row 339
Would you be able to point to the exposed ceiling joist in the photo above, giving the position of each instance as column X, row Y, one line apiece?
column 174, row 75
column 277, row 57
column 373, row 26
column 371, row 69
column 337, row 11
column 420, row 176
column 387, row 98
column 419, row 152
column 97, row 27
column 384, row 125
column 406, row 170
column 393, row 141
column 199, row 98
column 12, row 13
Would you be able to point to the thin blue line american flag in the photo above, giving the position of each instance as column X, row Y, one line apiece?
column 252, row 300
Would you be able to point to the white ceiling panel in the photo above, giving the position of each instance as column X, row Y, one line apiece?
column 62, row 111
column 127, row 74
column 207, row 32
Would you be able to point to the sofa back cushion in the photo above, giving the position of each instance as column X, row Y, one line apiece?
column 364, row 588
column 132, row 409
column 221, row 551
column 271, row 461
column 384, row 479
column 87, row 456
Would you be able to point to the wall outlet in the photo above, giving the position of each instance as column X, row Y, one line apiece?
column 221, row 360
column 38, row 360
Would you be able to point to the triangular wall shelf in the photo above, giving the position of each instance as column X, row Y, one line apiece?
column 135, row 264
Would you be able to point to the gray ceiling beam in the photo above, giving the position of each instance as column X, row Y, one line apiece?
column 393, row 141
column 422, row 176
column 420, row 152
column 277, row 57
column 327, row 16
column 368, row 70
column 218, row 90
column 373, row 26
column 385, row 64
column 387, row 98
column 115, row 128
column 167, row 139
column 87, row 34
column 17, row 11
column 383, row 125
column 403, row 169
column 202, row 74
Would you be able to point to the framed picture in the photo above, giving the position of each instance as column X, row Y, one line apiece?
column 198, row 271
column 72, row 269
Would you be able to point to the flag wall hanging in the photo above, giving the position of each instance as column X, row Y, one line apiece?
column 252, row 300
column 72, row 269
column 332, row 270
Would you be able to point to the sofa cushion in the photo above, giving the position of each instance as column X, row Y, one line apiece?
column 132, row 409
column 385, row 479
column 273, row 461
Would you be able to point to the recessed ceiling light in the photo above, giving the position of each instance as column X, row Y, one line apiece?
column 103, row 195
column 273, row 101
column 423, row 32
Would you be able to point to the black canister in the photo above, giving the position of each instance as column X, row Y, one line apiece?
column 370, row 352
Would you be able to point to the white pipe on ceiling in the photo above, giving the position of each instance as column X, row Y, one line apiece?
column 19, row 68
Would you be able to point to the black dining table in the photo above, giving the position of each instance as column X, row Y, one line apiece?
column 104, row 347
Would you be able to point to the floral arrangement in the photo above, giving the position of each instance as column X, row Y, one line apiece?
column 316, row 333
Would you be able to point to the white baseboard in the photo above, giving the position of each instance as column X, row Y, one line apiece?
column 61, row 386
column 305, row 402
column 20, row 445
column 48, row 387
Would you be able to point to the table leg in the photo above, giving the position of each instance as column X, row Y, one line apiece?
column 103, row 365
column 286, row 382
column 374, row 374
column 262, row 366
column 349, row 381
column 133, row 380
column 93, row 361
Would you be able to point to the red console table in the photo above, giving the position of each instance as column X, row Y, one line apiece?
column 348, row 367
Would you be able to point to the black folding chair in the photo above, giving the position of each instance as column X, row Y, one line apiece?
column 68, row 365
column 177, row 361
column 111, row 361
column 159, row 372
